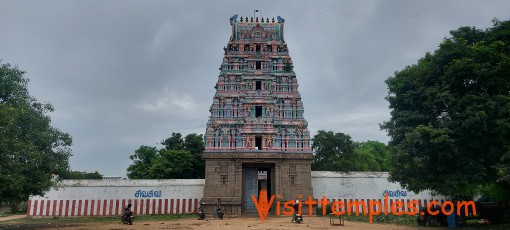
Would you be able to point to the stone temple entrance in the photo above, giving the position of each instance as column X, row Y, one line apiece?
column 255, row 179
column 256, row 137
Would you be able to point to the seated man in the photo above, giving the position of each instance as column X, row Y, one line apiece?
column 128, row 211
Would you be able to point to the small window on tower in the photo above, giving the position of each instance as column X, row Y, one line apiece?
column 258, row 111
column 258, row 65
column 258, row 48
column 258, row 85
column 258, row 142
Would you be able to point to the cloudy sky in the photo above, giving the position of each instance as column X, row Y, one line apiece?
column 121, row 74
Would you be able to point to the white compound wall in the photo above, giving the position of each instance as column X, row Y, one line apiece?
column 109, row 197
column 176, row 196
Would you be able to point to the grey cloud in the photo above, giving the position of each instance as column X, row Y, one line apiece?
column 127, row 73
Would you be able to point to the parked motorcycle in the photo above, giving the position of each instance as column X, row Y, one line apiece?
column 201, row 213
column 299, row 218
column 220, row 214
column 127, row 218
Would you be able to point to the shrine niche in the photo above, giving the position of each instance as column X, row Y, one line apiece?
column 256, row 137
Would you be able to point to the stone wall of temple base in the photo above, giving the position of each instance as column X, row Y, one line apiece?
column 235, row 178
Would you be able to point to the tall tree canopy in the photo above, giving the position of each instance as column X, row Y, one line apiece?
column 31, row 150
column 337, row 152
column 179, row 159
column 450, row 114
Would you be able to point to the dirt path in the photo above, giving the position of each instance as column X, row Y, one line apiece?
column 13, row 217
column 251, row 223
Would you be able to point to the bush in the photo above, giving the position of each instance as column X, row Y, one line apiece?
column 318, row 210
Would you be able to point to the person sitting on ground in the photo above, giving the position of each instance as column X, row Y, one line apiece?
column 128, row 211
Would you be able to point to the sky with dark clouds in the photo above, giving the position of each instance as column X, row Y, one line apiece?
column 121, row 74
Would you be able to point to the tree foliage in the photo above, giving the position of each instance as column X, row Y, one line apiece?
column 372, row 156
column 450, row 114
column 179, row 159
column 337, row 152
column 30, row 148
column 78, row 175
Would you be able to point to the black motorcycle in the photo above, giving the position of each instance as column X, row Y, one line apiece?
column 127, row 218
column 299, row 218
column 201, row 213
column 220, row 214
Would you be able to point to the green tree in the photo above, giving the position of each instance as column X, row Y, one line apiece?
column 172, row 164
column 143, row 159
column 30, row 148
column 174, row 142
column 333, row 151
column 376, row 153
column 77, row 175
column 195, row 145
column 450, row 114
column 150, row 163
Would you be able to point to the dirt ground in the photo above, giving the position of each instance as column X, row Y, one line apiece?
column 252, row 223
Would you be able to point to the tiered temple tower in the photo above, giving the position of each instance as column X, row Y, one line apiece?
column 256, row 136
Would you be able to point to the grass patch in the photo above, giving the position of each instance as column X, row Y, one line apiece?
column 106, row 219
column 5, row 214
column 386, row 219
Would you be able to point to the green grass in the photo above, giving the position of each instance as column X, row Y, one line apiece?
column 5, row 214
column 109, row 219
column 385, row 219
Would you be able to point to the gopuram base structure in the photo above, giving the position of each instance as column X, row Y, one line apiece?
column 256, row 137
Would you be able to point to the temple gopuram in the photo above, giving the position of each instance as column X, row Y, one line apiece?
column 256, row 137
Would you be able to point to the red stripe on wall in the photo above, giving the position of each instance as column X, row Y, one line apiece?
column 98, row 208
column 166, row 207
column 135, row 206
column 177, row 209
column 72, row 207
column 60, row 207
column 183, row 209
column 105, row 202
column 141, row 207
column 92, row 208
column 34, row 211
column 79, row 208
column 195, row 206
column 86, row 209
column 159, row 206
column 123, row 206
column 153, row 206
column 66, row 209
column 111, row 207
column 116, row 207
column 29, row 203
column 171, row 206
column 48, row 203
column 190, row 205
column 54, row 212
column 147, row 206
column 41, row 206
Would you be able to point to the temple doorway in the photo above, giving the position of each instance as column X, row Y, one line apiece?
column 255, row 179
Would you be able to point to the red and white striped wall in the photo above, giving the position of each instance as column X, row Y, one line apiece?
column 109, row 207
